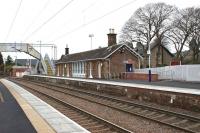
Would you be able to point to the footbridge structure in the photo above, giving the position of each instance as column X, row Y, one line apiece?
column 41, row 67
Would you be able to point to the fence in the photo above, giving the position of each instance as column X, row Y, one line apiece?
column 179, row 72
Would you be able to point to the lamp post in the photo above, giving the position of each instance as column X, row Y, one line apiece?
column 4, row 67
column 149, row 55
column 90, row 76
column 16, row 60
column 40, row 65
column 91, row 35
column 30, row 48
column 40, row 48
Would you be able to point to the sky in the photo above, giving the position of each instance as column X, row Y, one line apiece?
column 70, row 22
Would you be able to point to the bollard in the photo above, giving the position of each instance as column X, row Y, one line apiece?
column 149, row 75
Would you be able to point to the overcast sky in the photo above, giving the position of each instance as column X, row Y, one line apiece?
column 62, row 22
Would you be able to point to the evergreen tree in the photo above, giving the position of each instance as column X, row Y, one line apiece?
column 1, row 63
column 9, row 63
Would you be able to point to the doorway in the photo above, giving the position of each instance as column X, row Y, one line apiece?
column 129, row 67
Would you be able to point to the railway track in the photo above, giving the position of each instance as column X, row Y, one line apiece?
column 86, row 119
column 177, row 120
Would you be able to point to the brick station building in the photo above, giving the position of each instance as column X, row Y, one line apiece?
column 107, row 62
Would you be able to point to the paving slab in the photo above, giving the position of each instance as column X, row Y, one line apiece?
column 12, row 117
column 54, row 120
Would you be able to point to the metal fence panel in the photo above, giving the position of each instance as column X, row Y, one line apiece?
column 179, row 72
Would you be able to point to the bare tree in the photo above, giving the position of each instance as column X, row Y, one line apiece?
column 184, row 27
column 146, row 23
column 195, row 48
column 1, row 63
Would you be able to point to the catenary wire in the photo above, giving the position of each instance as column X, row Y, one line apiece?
column 37, row 16
column 92, row 21
column 65, row 23
column 13, row 21
column 48, row 20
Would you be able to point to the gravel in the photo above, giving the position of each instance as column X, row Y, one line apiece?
column 128, row 121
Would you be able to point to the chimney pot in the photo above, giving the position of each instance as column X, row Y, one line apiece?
column 66, row 50
column 111, row 37
column 110, row 30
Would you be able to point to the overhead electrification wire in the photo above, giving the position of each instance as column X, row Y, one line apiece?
column 13, row 21
column 88, row 7
column 48, row 20
column 69, row 21
column 92, row 21
column 37, row 16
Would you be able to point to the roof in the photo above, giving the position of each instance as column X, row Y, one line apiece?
column 155, row 43
column 25, row 62
column 101, row 53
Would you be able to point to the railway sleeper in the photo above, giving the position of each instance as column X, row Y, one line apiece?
column 96, row 127
column 80, row 118
column 105, row 130
column 88, row 124
column 86, row 121
column 194, row 126
column 180, row 122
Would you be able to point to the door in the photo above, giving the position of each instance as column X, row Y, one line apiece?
column 129, row 67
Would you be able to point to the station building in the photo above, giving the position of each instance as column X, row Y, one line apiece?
column 110, row 61
column 23, row 67
column 160, row 54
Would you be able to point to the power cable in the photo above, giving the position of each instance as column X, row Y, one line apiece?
column 67, row 22
column 92, row 21
column 48, row 20
column 13, row 21
column 37, row 16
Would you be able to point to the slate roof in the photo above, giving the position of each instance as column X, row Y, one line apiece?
column 25, row 62
column 153, row 44
column 101, row 53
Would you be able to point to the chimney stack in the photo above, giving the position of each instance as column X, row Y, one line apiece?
column 66, row 50
column 112, row 38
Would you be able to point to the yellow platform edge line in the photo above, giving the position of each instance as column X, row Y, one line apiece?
column 1, row 97
column 40, row 125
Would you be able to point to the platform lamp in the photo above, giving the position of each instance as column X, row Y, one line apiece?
column 149, row 56
column 40, row 65
column 91, row 35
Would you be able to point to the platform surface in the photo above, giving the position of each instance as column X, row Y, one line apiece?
column 43, row 116
column 12, row 117
column 170, row 86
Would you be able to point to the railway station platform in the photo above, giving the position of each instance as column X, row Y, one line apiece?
column 185, row 95
column 21, row 111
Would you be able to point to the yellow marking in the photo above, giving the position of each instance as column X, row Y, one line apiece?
column 1, row 98
column 40, row 125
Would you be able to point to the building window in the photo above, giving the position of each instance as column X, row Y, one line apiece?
column 78, row 69
column 82, row 67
